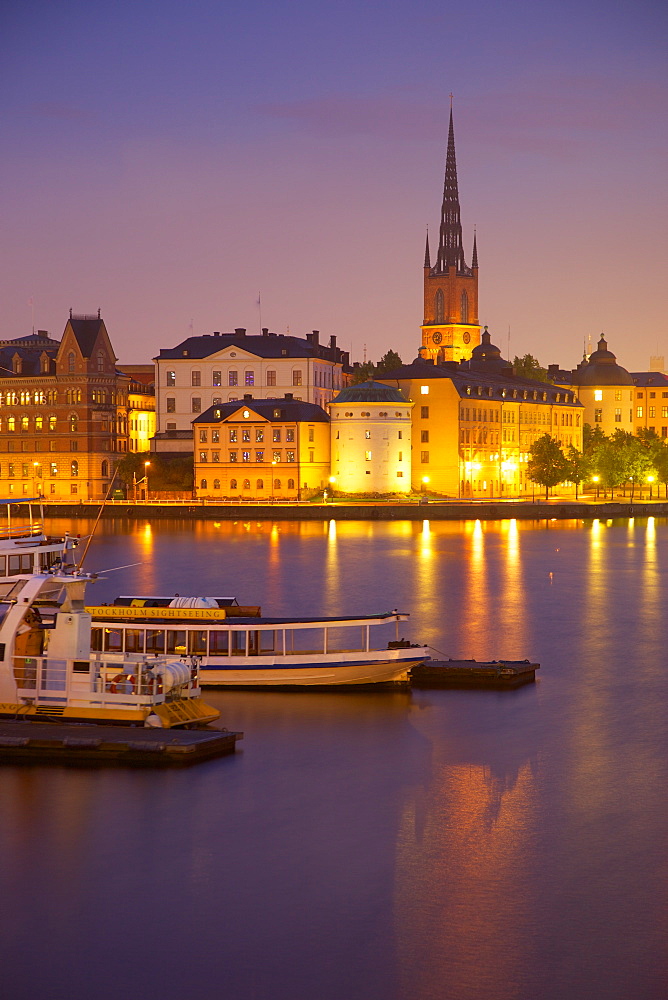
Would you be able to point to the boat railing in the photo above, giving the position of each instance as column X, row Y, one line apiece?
column 43, row 679
column 34, row 530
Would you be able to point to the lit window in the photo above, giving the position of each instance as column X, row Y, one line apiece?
column 233, row 434
column 297, row 377
column 171, row 378
column 233, row 378
column 196, row 404
column 639, row 411
column 290, row 456
column 216, row 379
column 424, row 390
column 196, row 378
column 367, row 456
column 271, row 378
column 249, row 378
column 245, row 456
column 598, row 395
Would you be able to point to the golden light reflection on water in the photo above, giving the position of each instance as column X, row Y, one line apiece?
column 464, row 862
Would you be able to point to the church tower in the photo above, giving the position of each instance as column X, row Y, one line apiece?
column 450, row 329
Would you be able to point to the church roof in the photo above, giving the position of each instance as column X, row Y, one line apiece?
column 370, row 392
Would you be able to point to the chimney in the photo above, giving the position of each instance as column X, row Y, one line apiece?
column 332, row 343
column 289, row 395
column 265, row 331
column 216, row 333
column 240, row 331
column 316, row 336
column 248, row 396
column 309, row 338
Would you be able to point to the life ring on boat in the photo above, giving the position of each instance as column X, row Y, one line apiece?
column 123, row 679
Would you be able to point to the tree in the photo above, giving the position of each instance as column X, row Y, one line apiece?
column 362, row 373
column 548, row 465
column 529, row 367
column 579, row 467
column 388, row 363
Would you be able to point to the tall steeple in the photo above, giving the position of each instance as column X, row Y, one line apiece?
column 450, row 249
column 450, row 329
column 427, row 256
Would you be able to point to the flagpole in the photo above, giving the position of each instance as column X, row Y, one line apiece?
column 259, row 305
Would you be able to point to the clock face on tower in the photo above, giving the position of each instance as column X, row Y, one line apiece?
column 466, row 337
column 437, row 337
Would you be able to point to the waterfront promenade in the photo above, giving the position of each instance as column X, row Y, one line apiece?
column 434, row 510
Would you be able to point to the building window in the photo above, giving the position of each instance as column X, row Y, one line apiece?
column 400, row 475
column 259, row 434
column 618, row 414
column 259, row 456
column 276, row 457
column 367, row 456
column 215, row 436
column 246, row 484
column 74, row 488
column 215, row 456
column 291, row 484
column 171, row 404
column 652, row 412
column 74, row 423
column 25, row 424
column 271, row 378
column 203, row 456
column 52, row 423
column 424, row 412
column 203, row 484
column 260, row 484
column 245, row 456
column 289, row 456
column 277, row 434
column 216, row 484
column 367, row 435
column 277, row 484
column 639, row 411
column 74, row 445
column 598, row 395
column 11, row 424
column 195, row 378
column 249, row 378
column 202, row 435
column 424, row 437
column 216, row 379
column 196, row 404
column 54, row 468
column 424, row 457
column 74, row 467
column 311, row 454
column 171, row 378
column 297, row 377
column 245, row 433
column 598, row 415
column 233, row 484
column 70, row 361
column 39, row 424
column 233, row 456
column 233, row 378
column 290, row 434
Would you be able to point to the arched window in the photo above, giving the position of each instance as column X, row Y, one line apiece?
column 277, row 484
column 260, row 484
column 52, row 422
column 246, row 484
column 233, row 484
column 25, row 422
column 70, row 361
column 105, row 469
column 439, row 307
column 216, row 484
column 74, row 423
column 74, row 468
column 202, row 484
column 291, row 484
column 11, row 423
column 39, row 423
column 465, row 308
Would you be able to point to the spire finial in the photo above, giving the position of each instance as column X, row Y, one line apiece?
column 452, row 97
column 427, row 258
column 450, row 250
column 474, row 259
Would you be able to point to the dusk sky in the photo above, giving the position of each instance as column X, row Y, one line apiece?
column 168, row 161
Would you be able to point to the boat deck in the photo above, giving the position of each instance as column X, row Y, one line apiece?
column 85, row 744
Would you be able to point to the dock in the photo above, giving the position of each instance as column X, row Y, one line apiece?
column 500, row 674
column 86, row 744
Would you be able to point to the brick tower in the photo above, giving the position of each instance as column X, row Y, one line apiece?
column 450, row 329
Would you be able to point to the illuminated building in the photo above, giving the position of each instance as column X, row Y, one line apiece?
column 474, row 422
column 219, row 368
column 604, row 388
column 141, row 406
column 450, row 329
column 371, row 439
column 261, row 449
column 650, row 405
column 63, row 413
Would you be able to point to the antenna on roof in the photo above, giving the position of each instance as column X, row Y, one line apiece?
column 32, row 311
column 259, row 305
column 509, row 341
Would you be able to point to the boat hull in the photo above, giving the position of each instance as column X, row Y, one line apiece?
column 300, row 671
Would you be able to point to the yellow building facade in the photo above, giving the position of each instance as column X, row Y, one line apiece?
column 261, row 449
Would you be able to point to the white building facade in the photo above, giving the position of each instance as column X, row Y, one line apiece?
column 220, row 368
column 370, row 440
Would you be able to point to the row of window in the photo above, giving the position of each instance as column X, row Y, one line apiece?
column 651, row 411
column 246, row 456
column 246, row 485
column 651, row 395
column 49, row 397
column 244, row 434
column 35, row 470
column 248, row 378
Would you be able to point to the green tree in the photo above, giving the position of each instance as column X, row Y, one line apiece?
column 388, row 363
column 529, row 367
column 548, row 465
column 579, row 467
column 363, row 372
column 661, row 466
column 131, row 466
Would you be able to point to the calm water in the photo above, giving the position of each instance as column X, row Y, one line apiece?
column 385, row 845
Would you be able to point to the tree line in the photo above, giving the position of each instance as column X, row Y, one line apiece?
column 619, row 461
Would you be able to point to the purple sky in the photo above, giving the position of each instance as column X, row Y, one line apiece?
column 168, row 160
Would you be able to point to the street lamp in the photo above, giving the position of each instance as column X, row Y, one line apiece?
column 146, row 465
column 35, row 467
column 425, row 483
column 273, row 463
column 595, row 479
column 650, row 480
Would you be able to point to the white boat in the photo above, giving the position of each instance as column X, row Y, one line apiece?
column 47, row 668
column 24, row 546
column 239, row 648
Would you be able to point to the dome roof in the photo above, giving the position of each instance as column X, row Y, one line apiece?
column 487, row 353
column 370, row 392
column 602, row 369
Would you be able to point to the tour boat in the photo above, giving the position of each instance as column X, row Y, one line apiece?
column 240, row 648
column 24, row 546
column 47, row 669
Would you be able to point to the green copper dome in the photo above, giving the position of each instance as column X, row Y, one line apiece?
column 370, row 392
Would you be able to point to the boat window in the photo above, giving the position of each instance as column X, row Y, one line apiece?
column 238, row 643
column 267, row 641
column 253, row 643
column 197, row 643
column 3, row 565
column 218, row 643
column 176, row 642
column 20, row 564
column 155, row 641
column 113, row 640
column 134, row 640
column 96, row 640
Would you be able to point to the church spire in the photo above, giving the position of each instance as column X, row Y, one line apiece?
column 427, row 256
column 450, row 250
column 474, row 261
